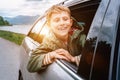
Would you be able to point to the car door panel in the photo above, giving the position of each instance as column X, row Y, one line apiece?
column 58, row 71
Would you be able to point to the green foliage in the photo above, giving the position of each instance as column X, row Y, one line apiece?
column 13, row 37
column 4, row 22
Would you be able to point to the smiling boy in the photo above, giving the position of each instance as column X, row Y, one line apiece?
column 63, row 42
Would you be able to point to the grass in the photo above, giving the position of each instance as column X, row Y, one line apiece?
column 13, row 37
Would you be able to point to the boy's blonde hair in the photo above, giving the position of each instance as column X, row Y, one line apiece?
column 56, row 9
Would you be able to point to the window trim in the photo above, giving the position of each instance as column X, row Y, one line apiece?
column 70, row 72
column 115, row 60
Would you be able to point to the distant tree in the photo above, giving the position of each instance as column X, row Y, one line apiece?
column 4, row 22
column 1, row 21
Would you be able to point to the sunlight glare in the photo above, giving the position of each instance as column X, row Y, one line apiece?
column 45, row 31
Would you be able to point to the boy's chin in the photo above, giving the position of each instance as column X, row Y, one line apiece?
column 63, row 34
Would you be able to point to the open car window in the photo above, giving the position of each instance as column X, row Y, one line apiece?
column 83, row 15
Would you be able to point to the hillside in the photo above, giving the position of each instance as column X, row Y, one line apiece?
column 4, row 22
column 22, row 19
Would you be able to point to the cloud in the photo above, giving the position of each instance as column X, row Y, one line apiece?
column 25, row 7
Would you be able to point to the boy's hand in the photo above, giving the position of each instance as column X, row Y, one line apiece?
column 60, row 54
column 69, row 57
column 66, row 54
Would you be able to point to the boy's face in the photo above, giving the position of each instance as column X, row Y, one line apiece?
column 60, row 23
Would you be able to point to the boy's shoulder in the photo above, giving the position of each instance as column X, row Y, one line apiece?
column 75, row 32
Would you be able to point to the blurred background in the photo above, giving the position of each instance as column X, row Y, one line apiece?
column 24, row 11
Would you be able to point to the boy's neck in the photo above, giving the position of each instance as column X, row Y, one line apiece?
column 63, row 38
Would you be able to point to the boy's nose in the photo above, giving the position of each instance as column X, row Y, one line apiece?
column 62, row 21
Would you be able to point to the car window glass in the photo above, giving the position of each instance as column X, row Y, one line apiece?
column 44, row 31
column 106, row 41
column 37, row 27
column 91, row 42
column 118, row 72
column 118, row 63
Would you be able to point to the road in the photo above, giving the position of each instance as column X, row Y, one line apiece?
column 9, row 60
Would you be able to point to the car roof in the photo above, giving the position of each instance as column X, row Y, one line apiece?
column 69, row 3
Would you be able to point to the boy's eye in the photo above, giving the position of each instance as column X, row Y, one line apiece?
column 65, row 18
column 56, row 20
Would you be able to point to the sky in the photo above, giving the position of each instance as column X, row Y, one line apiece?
column 12, row 8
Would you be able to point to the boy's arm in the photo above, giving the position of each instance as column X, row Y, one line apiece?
column 35, row 62
column 36, row 59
